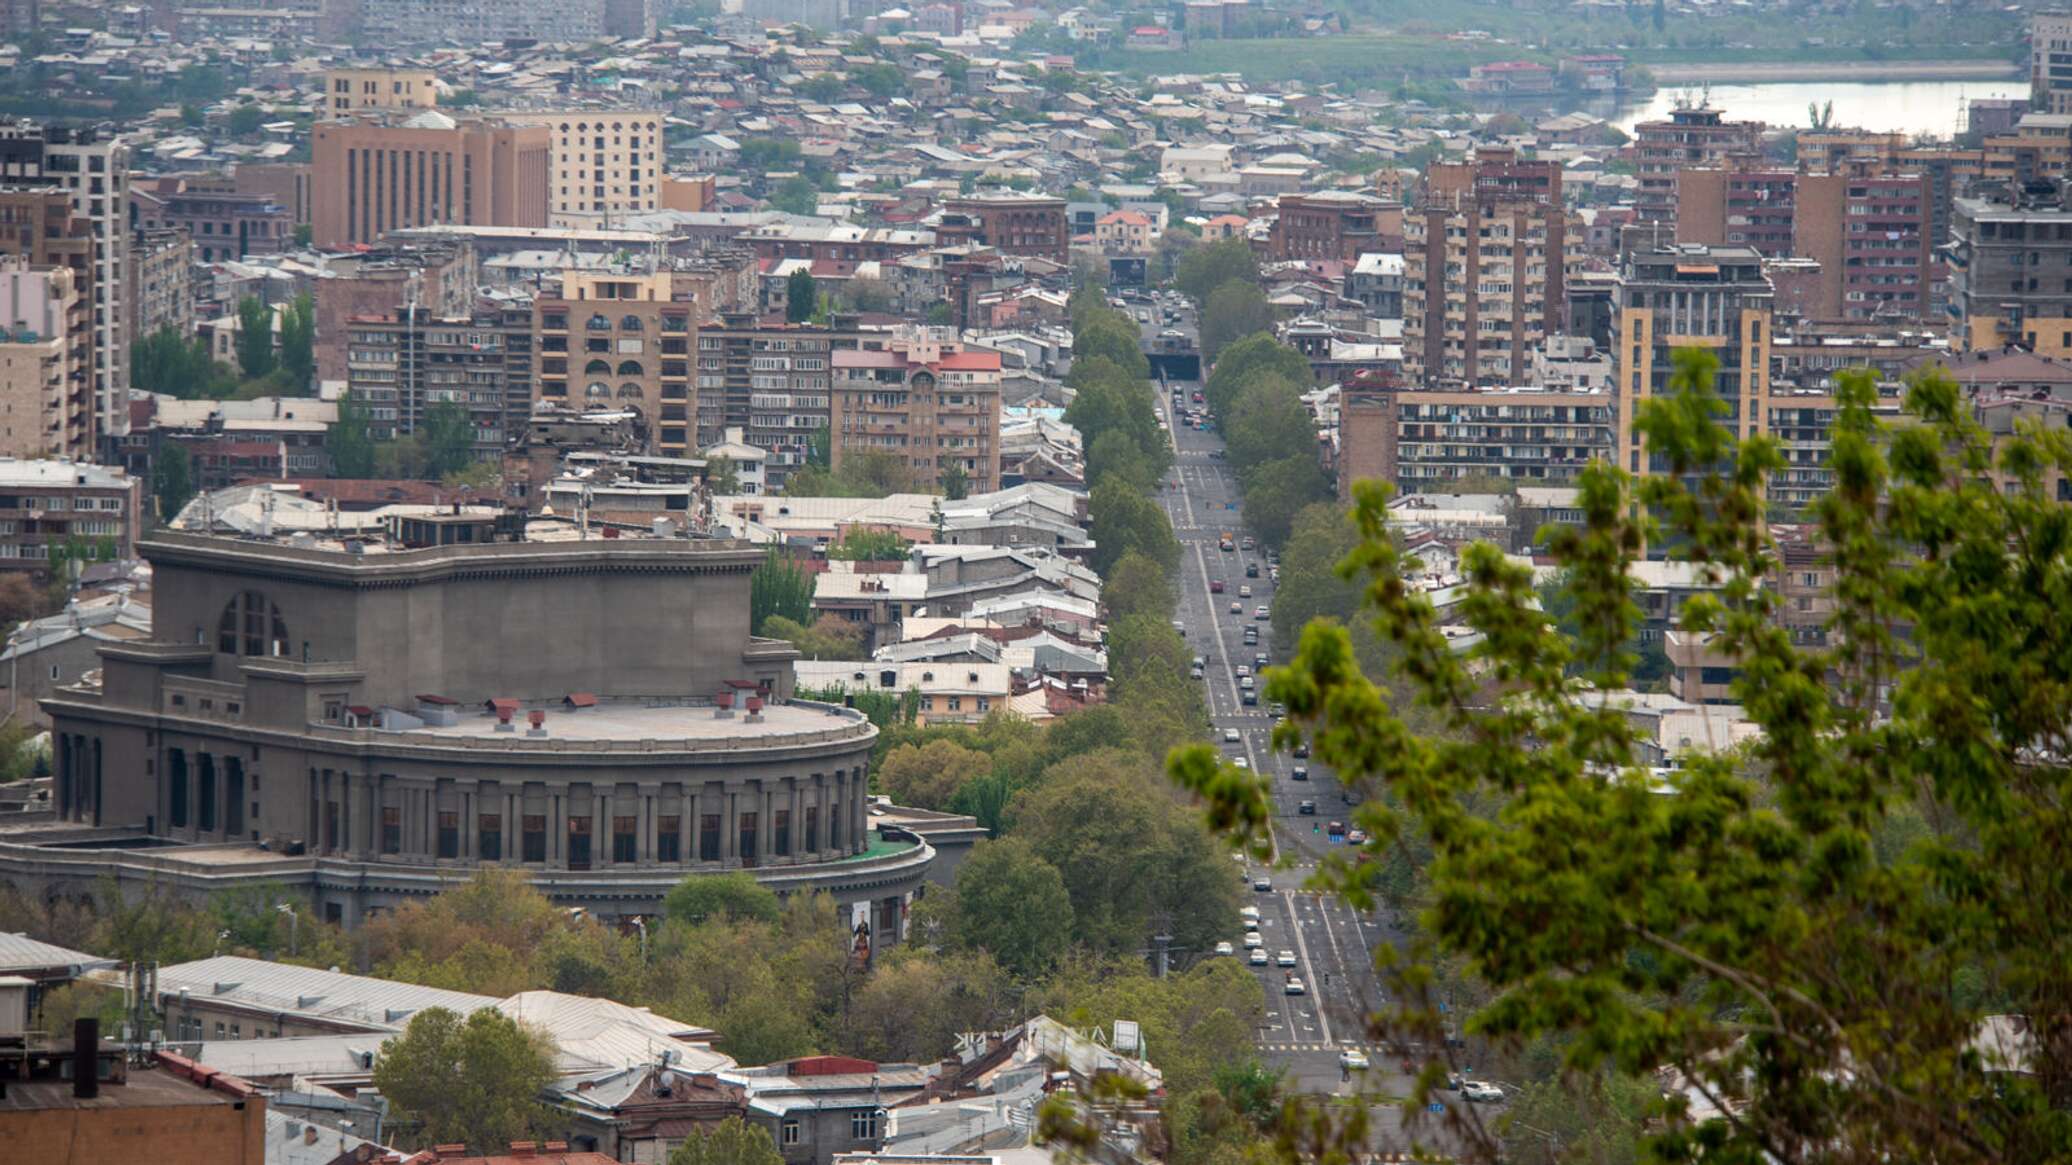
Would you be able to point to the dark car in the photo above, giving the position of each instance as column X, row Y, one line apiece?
column 1301, row 773
column 1251, row 570
column 1307, row 809
column 1302, row 748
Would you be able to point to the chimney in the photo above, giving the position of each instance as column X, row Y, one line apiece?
column 523, row 1148
column 538, row 719
column 86, row 1058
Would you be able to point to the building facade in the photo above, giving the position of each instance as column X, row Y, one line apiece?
column 607, row 163
column 1424, row 440
column 594, row 712
column 1013, row 224
column 2050, row 62
column 403, row 365
column 372, row 175
column 2002, row 242
column 1337, row 225
column 161, row 276
column 771, row 381
column 62, row 505
column 222, row 225
column 931, row 403
column 1692, row 137
column 349, row 90
column 618, row 342
column 1485, row 255
column 45, row 352
column 1715, row 298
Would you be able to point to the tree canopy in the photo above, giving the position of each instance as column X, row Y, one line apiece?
column 1234, row 311
column 732, row 1141
column 1204, row 269
column 476, row 1080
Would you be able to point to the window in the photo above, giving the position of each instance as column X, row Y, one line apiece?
column 708, row 837
column 790, row 1131
column 630, row 324
column 669, row 839
column 449, row 833
column 625, row 840
column 780, row 833
column 250, row 625
column 598, row 323
column 533, row 842
column 747, row 838
column 578, row 843
column 391, row 829
column 863, row 1124
column 812, row 841
column 489, row 837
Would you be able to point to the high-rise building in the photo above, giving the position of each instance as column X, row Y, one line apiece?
column 1686, row 296
column 223, row 224
column 403, row 365
column 161, row 275
column 927, row 400
column 348, row 90
column 2050, row 62
column 1484, row 254
column 46, row 346
column 405, row 22
column 620, row 342
column 93, row 168
column 1748, row 205
column 1690, row 138
column 2010, row 256
column 1426, row 439
column 607, row 163
column 770, row 381
column 1334, row 225
column 1871, row 233
column 375, row 173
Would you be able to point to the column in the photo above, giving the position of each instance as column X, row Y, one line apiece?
column 686, row 822
column 730, row 828
column 557, row 829
column 601, row 827
column 644, row 844
column 798, row 821
column 859, row 801
column 764, row 829
column 513, row 827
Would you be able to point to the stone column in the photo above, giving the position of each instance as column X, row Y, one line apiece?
column 730, row 828
column 686, row 822
column 601, row 827
column 798, row 820
column 557, row 829
column 859, row 799
column 513, row 824
column 644, row 846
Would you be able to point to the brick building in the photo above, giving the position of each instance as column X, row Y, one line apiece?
column 1485, row 256
column 1334, row 224
column 1014, row 224
column 934, row 404
column 620, row 341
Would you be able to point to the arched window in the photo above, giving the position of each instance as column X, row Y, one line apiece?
column 597, row 390
column 631, row 392
column 630, row 368
column 251, row 625
column 599, row 324
column 598, row 368
column 630, row 323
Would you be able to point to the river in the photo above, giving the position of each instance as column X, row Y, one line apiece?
column 1910, row 107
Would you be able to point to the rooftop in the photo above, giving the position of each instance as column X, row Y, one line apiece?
column 611, row 722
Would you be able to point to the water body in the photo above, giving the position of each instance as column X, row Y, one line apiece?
column 1909, row 107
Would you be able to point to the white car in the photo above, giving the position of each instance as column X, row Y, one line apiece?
column 1244, row 670
column 1352, row 1060
column 1284, row 959
column 1225, row 949
column 1294, row 987
column 1257, row 957
column 1248, row 913
column 1476, row 1090
column 1241, row 762
column 1253, row 942
column 1232, row 736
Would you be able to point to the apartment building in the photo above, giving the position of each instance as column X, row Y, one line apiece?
column 92, row 167
column 223, row 224
column 925, row 399
column 403, row 364
column 2050, row 62
column 1013, row 224
column 349, row 90
column 619, row 341
column 1871, row 232
column 1742, row 206
column 440, row 276
column 161, row 282
column 46, row 348
column 1690, row 138
column 376, row 173
column 1425, row 439
column 772, row 382
column 1686, row 296
column 1334, row 224
column 607, row 163
column 2010, row 257
column 1484, row 255
column 59, row 502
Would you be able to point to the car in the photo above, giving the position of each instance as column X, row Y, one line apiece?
column 1225, row 949
column 1196, row 673
column 1335, row 829
column 1251, row 569
column 1307, row 809
column 1253, row 942
column 1248, row 698
column 1222, row 543
column 1263, row 884
column 1236, row 608
column 1356, row 837
column 1201, row 661
column 1294, row 987
column 1180, row 627
column 1262, row 613
column 1241, row 762
column 1482, row 1093
column 1285, row 959
column 1244, row 671
column 1248, row 542
column 1232, row 736
column 1261, row 660
column 1249, row 913
column 1248, row 683
column 1301, row 773
column 1215, row 586
column 1302, row 749
column 1277, row 710
column 1257, row 957
column 1244, row 590
column 1352, row 1060
column 1251, row 924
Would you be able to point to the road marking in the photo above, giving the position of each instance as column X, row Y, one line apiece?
column 1302, row 954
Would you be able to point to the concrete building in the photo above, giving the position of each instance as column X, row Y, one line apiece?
column 1376, row 282
column 1485, row 255
column 277, row 727
column 2050, row 62
column 1744, row 205
column 92, row 1105
column 286, row 183
column 439, row 276
column 55, row 502
column 1423, row 440
column 620, row 341
column 771, row 381
column 1691, row 296
column 43, row 655
column 93, row 168
column 1013, row 224
column 1333, row 224
column 374, row 174
column 932, row 403
column 2001, row 243
column 161, row 282
column 1871, row 234
column 607, row 163
column 404, row 364
column 45, row 354
column 350, row 90
column 1692, row 137
column 222, row 225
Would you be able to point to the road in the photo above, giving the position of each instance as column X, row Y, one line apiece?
column 1331, row 944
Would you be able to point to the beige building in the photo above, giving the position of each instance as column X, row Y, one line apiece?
column 1424, row 440
column 377, row 173
column 932, row 403
column 1691, row 296
column 620, row 341
column 606, row 163
column 45, row 354
column 347, row 90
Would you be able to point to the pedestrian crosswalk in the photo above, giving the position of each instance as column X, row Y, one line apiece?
column 1370, row 1049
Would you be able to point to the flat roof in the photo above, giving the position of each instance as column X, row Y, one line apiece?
column 632, row 722
column 145, row 1088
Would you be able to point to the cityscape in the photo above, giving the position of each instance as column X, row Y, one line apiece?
column 1215, row 582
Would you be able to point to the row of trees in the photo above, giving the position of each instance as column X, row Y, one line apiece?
column 442, row 447
column 1255, row 392
column 271, row 360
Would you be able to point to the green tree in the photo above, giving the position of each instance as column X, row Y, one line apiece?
column 172, row 480
column 1114, row 453
column 1774, row 925
column 954, row 482
column 722, row 475
column 1268, row 422
column 1234, row 311
column 169, row 362
column 298, row 342
column 349, row 441
column 254, row 337
column 1276, row 491
column 779, row 587
column 830, row 636
column 861, row 544
column 1123, row 519
column 1013, row 905
column 1112, row 335
column 732, row 1141
column 448, row 437
column 734, row 896
column 1247, row 361
column 796, row 195
column 927, row 776
column 476, row 1080
column 801, row 294
column 1136, row 585
column 245, row 120
column 1204, row 269
column 916, row 1003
